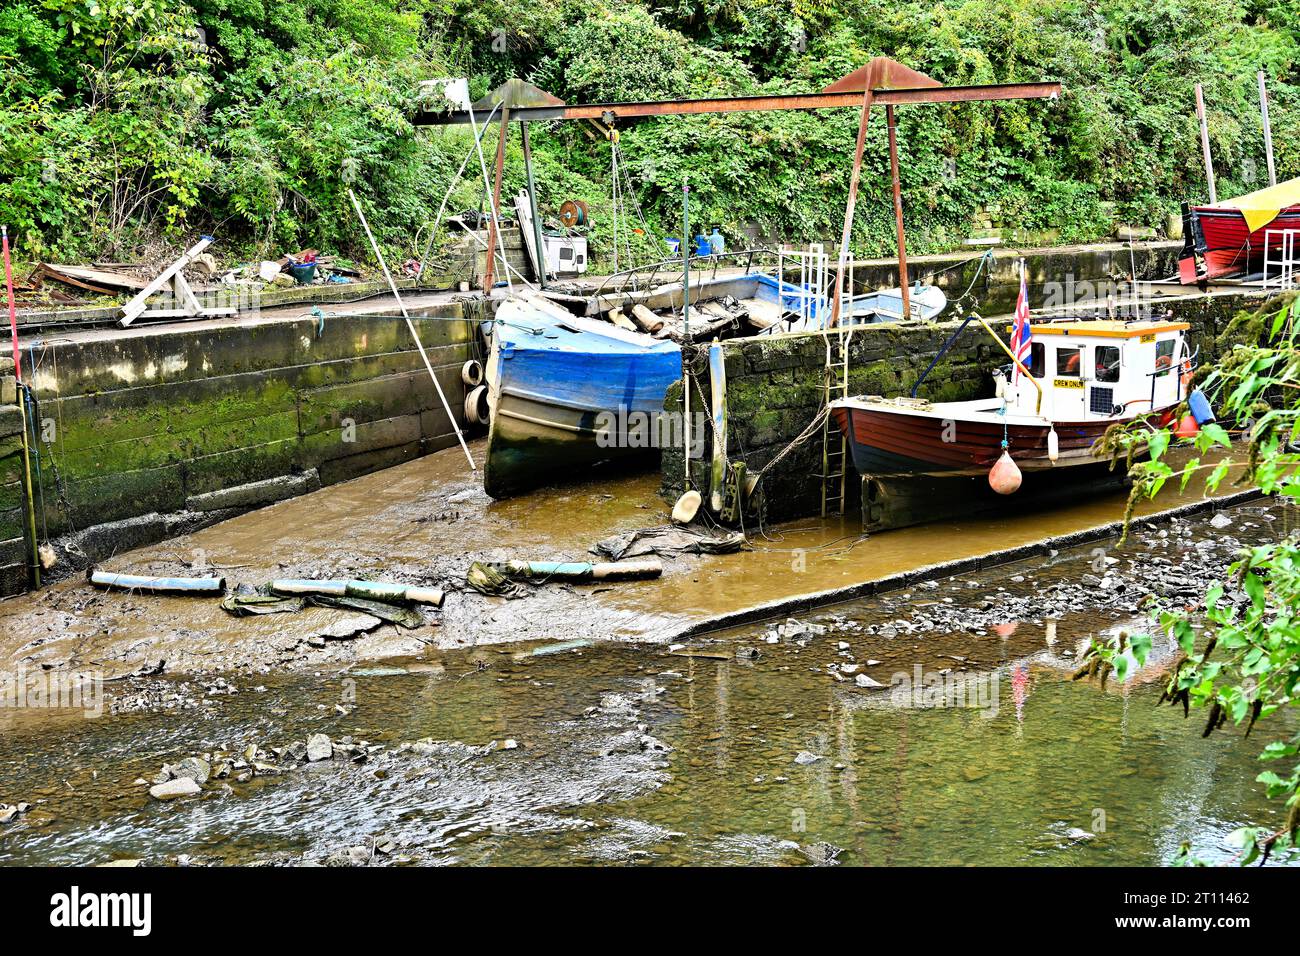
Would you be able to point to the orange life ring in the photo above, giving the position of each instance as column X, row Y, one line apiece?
column 1186, row 376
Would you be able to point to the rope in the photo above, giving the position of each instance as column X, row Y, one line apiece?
column 802, row 437
column 986, row 256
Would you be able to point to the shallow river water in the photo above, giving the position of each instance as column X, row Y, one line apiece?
column 627, row 753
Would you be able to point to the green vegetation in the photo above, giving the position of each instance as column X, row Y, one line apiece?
column 1245, row 670
column 124, row 123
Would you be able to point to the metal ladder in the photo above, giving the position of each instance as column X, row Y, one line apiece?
column 835, row 446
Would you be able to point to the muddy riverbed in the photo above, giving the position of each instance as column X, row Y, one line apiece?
column 770, row 743
column 424, row 522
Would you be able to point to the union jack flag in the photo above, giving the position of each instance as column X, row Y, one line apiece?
column 1020, row 334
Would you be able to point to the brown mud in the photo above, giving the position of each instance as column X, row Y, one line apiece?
column 424, row 522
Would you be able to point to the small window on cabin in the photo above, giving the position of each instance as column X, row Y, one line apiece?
column 1164, row 356
column 1069, row 360
column 1037, row 360
column 565, row 253
column 1107, row 357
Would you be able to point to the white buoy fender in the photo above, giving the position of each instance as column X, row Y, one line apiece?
column 471, row 373
column 1053, row 445
column 1004, row 476
column 687, row 506
column 477, row 410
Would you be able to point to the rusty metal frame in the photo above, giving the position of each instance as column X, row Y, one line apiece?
column 750, row 104
column 880, row 82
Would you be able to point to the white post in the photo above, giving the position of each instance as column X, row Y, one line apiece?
column 1268, row 130
column 1205, row 143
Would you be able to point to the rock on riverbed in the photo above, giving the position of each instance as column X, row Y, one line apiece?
column 319, row 748
column 172, row 789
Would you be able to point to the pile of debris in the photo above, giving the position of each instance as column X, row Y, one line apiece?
column 305, row 267
column 713, row 319
column 69, row 284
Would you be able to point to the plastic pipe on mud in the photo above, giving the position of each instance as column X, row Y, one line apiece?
column 370, row 590
column 112, row 581
column 582, row 571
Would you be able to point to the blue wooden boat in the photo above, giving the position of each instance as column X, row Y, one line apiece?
column 569, row 391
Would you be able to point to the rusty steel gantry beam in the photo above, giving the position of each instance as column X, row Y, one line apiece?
column 880, row 82
column 751, row 104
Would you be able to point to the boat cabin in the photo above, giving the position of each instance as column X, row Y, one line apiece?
column 1102, row 369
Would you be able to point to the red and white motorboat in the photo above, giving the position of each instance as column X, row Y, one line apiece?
column 922, row 460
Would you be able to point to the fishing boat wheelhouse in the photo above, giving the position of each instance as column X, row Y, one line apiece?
column 921, row 460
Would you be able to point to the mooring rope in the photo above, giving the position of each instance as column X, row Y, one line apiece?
column 802, row 437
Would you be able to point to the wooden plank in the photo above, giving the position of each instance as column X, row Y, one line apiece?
column 136, row 307
column 99, row 277
column 50, row 273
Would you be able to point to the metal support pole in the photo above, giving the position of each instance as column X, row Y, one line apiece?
column 21, row 399
column 850, row 206
column 496, row 201
column 532, row 205
column 1205, row 143
column 898, row 214
column 686, row 329
column 1268, row 129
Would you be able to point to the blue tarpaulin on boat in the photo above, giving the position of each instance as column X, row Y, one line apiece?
column 581, row 367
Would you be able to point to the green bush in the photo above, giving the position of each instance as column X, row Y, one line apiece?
column 128, row 123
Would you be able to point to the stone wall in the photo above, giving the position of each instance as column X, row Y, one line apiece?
column 153, row 431
column 775, row 388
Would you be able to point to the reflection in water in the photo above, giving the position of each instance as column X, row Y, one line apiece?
column 1020, row 690
column 1069, row 774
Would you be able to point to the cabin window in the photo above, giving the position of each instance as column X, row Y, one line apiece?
column 1037, row 360
column 1107, row 357
column 1069, row 361
column 1164, row 356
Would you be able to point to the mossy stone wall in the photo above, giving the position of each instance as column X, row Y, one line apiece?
column 139, row 421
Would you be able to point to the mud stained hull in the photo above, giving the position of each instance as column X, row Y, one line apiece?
column 898, row 443
column 532, row 445
column 567, row 401
column 900, row 502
